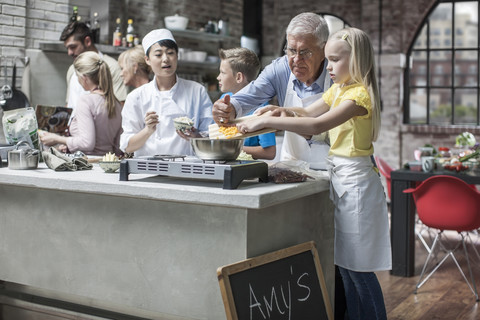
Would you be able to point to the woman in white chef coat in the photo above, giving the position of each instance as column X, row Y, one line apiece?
column 148, row 113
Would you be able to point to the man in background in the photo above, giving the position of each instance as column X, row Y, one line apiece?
column 77, row 38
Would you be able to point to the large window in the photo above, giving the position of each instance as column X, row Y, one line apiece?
column 443, row 70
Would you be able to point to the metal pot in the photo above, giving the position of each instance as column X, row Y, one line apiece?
column 217, row 149
column 23, row 158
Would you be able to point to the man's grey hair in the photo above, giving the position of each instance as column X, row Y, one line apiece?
column 309, row 23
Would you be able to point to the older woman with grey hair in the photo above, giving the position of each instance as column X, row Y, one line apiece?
column 297, row 79
column 135, row 70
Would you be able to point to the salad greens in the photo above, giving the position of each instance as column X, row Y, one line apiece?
column 465, row 139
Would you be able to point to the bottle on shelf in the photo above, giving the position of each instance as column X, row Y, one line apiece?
column 223, row 26
column 96, row 28
column 117, row 35
column 74, row 16
column 130, row 33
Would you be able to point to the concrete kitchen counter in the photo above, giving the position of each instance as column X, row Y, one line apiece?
column 148, row 247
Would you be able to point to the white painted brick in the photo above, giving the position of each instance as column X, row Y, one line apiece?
column 44, row 25
column 45, row 5
column 14, row 10
column 14, row 31
column 55, row 16
column 6, row 20
column 63, row 8
column 12, row 2
column 36, row 33
column 36, row 14
column 52, row 35
column 15, row 51
column 5, row 41
column 19, row 22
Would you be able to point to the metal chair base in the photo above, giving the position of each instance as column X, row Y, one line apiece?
column 437, row 244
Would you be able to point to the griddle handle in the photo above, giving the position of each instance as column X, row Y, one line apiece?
column 234, row 175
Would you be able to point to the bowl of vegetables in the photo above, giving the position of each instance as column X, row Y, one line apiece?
column 110, row 163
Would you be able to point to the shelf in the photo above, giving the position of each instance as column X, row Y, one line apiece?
column 193, row 34
column 184, row 64
column 59, row 47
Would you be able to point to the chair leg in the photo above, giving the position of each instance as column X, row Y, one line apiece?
column 429, row 257
column 474, row 246
column 474, row 289
column 449, row 253
column 419, row 229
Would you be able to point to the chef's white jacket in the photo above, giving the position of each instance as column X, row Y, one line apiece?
column 186, row 99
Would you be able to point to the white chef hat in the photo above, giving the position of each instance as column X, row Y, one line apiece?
column 154, row 36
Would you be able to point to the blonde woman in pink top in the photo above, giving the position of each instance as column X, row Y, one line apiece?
column 97, row 123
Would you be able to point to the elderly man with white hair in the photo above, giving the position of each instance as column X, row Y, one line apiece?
column 148, row 113
column 297, row 79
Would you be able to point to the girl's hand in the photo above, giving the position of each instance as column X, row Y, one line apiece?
column 151, row 121
column 252, row 125
column 275, row 111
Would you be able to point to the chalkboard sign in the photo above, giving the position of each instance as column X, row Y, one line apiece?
column 285, row 284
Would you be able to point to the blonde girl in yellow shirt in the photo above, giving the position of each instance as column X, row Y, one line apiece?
column 350, row 112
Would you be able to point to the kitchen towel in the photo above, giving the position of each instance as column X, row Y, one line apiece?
column 57, row 161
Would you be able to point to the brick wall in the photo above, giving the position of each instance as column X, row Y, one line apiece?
column 26, row 23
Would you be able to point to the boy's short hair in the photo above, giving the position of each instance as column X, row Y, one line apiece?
column 77, row 29
column 242, row 60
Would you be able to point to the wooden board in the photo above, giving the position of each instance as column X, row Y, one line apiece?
column 214, row 133
column 285, row 284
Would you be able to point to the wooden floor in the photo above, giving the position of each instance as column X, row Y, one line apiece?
column 445, row 295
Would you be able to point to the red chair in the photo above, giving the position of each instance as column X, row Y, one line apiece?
column 385, row 170
column 447, row 203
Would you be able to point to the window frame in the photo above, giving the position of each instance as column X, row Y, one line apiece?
column 453, row 87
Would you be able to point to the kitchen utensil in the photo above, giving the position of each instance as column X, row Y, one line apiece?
column 176, row 22
column 13, row 98
column 23, row 157
column 217, row 149
column 214, row 133
column 232, row 173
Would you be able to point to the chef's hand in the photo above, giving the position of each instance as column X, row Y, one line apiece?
column 187, row 134
column 223, row 111
column 151, row 121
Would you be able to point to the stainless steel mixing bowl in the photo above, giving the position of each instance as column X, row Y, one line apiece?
column 217, row 149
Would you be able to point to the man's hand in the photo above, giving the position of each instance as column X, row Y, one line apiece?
column 223, row 111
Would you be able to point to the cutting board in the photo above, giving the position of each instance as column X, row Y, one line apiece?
column 214, row 133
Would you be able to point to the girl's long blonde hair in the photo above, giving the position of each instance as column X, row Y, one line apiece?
column 89, row 64
column 362, row 68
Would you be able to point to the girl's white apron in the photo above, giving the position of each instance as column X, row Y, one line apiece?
column 362, row 237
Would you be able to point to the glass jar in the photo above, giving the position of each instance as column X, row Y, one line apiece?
column 444, row 152
column 426, row 152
